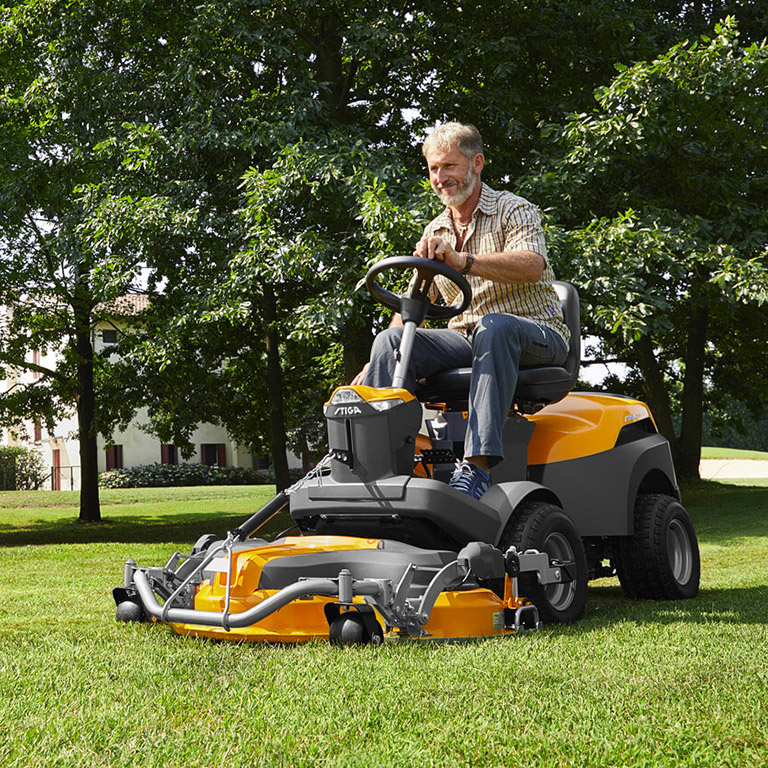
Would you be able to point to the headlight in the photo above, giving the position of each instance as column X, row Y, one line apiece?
column 385, row 405
column 342, row 396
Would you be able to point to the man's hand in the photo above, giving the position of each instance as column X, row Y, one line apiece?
column 360, row 376
column 502, row 267
column 440, row 250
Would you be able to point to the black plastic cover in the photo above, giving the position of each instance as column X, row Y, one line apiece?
column 389, row 561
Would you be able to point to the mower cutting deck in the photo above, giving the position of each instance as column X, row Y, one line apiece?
column 387, row 550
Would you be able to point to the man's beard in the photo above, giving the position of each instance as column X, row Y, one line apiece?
column 465, row 187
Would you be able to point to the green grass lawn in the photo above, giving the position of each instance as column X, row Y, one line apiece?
column 633, row 684
column 129, row 515
column 732, row 453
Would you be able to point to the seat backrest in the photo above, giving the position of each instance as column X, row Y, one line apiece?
column 539, row 386
column 536, row 386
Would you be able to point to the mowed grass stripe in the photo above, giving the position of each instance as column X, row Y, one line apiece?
column 633, row 684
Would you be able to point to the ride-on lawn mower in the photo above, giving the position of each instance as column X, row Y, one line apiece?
column 385, row 549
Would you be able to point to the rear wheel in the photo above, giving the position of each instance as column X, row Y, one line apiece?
column 661, row 560
column 545, row 527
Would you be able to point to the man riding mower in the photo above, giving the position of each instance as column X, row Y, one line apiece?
column 384, row 548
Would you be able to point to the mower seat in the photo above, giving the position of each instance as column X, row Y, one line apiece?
column 537, row 386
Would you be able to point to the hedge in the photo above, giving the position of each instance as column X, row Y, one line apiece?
column 21, row 469
column 163, row 475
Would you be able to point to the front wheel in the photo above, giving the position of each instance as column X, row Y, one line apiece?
column 545, row 527
column 661, row 560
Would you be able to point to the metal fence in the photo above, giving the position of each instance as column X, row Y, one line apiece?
column 57, row 479
column 13, row 479
column 64, row 479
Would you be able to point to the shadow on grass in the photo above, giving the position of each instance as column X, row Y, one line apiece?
column 124, row 529
column 721, row 512
column 716, row 607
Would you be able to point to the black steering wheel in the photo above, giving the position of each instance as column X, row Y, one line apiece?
column 425, row 269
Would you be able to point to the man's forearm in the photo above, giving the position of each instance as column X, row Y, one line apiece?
column 504, row 267
column 521, row 266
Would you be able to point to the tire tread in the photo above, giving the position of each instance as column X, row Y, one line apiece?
column 642, row 564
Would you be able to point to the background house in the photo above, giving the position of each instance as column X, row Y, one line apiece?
column 134, row 446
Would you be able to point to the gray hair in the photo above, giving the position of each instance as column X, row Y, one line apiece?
column 465, row 137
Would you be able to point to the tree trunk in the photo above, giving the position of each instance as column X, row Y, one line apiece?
column 329, row 65
column 306, row 454
column 275, row 393
column 687, row 448
column 357, row 340
column 656, row 393
column 90, row 511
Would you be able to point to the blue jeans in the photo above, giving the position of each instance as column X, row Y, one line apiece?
column 496, row 349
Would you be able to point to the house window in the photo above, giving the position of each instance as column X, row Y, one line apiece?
column 213, row 454
column 38, row 431
column 169, row 454
column 36, row 361
column 114, row 457
column 109, row 337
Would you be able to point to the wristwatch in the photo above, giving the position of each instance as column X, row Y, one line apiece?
column 469, row 260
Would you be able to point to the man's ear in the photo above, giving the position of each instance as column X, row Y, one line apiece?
column 478, row 162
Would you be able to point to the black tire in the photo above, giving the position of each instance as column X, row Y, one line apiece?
column 545, row 527
column 351, row 628
column 661, row 560
column 130, row 611
column 204, row 543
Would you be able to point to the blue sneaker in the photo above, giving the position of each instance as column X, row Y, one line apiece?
column 470, row 479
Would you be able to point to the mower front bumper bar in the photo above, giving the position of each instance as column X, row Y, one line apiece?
column 301, row 589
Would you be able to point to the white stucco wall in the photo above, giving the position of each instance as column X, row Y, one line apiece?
column 138, row 446
column 141, row 448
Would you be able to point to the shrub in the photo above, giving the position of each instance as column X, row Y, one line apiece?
column 21, row 469
column 164, row 475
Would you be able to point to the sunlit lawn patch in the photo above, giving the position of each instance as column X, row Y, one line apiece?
column 633, row 684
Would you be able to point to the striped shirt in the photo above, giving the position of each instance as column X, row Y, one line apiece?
column 502, row 222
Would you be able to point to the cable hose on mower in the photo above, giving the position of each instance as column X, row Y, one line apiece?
column 277, row 504
column 263, row 516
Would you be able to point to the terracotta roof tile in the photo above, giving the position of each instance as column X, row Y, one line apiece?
column 124, row 306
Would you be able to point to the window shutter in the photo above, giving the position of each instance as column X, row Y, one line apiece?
column 114, row 457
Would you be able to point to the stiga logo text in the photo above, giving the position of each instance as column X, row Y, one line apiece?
column 347, row 410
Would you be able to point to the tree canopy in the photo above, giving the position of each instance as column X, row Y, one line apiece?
column 660, row 195
column 243, row 162
column 66, row 88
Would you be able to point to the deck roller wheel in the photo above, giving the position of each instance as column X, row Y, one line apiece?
column 356, row 626
column 130, row 611
column 204, row 543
